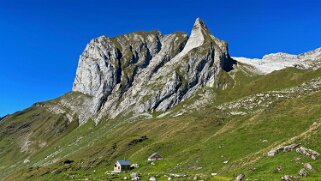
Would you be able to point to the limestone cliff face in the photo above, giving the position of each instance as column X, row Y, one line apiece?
column 148, row 71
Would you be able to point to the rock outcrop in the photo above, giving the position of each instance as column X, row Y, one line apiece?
column 143, row 72
column 287, row 148
column 308, row 152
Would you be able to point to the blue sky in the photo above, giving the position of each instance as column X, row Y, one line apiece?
column 41, row 40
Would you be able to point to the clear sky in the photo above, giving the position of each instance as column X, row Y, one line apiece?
column 41, row 40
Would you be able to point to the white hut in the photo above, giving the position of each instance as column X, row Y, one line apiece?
column 121, row 165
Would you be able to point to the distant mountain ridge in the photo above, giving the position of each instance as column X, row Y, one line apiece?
column 278, row 61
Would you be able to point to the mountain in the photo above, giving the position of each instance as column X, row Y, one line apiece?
column 278, row 61
column 144, row 72
column 210, row 116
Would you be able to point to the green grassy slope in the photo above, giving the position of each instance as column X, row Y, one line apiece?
column 194, row 144
column 24, row 133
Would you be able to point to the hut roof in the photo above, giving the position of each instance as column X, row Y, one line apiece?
column 123, row 162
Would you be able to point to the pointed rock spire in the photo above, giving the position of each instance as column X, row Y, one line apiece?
column 196, row 38
column 199, row 24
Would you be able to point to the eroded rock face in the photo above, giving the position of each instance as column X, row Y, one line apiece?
column 148, row 71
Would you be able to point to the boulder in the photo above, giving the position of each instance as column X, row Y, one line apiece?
column 135, row 165
column 152, row 179
column 273, row 152
column 308, row 166
column 135, row 176
column 303, row 172
column 240, row 177
column 288, row 178
column 307, row 152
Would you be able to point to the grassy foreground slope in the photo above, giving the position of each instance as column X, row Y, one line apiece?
column 213, row 139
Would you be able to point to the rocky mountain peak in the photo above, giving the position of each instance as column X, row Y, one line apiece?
column 199, row 23
column 142, row 72
column 197, row 36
